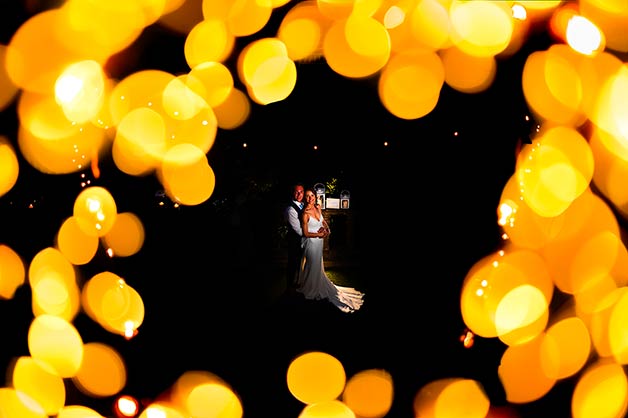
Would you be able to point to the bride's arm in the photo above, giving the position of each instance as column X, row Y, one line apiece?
column 326, row 227
column 306, row 232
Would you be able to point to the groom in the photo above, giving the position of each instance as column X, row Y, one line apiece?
column 292, row 216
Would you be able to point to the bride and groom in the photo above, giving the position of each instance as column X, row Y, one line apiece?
column 307, row 229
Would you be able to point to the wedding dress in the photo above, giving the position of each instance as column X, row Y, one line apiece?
column 312, row 281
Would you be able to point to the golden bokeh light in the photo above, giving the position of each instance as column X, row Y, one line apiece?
column 34, row 59
column 41, row 115
column 8, row 89
column 521, row 315
column 327, row 409
column 335, row 9
column 480, row 28
column 95, row 211
column 208, row 41
column 566, row 347
column 9, row 166
column 48, row 260
column 140, row 142
column 610, row 154
column 112, row 27
column 52, row 279
column 467, row 73
column 257, row 57
column 181, row 102
column 369, row 393
column 496, row 279
column 216, row 79
column 214, row 400
column 94, row 290
column 524, row 227
column 587, row 216
column 127, row 235
column 50, row 142
column 14, row 404
column 610, row 16
column 410, row 84
column 180, row 16
column 234, row 111
column 161, row 410
column 78, row 411
column 186, row 175
column 12, row 271
column 112, row 303
column 552, row 86
column 315, row 377
column 80, row 91
column 618, row 342
column 138, row 90
column 103, row 371
column 450, row 398
column 430, row 24
column 52, row 295
column 123, row 311
column 39, row 381
column 283, row 78
column 57, row 342
column 523, row 372
column 600, row 391
column 187, row 383
column 554, row 170
column 359, row 62
column 74, row 243
column 302, row 30
column 247, row 17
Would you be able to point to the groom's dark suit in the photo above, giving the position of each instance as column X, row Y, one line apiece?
column 294, row 235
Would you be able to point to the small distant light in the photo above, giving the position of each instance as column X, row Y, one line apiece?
column 176, row 205
column 467, row 339
column 519, row 12
column 527, row 118
column 244, row 145
column 315, row 146
column 110, row 252
column 127, row 406
column 129, row 330
column 456, row 133
column 385, row 143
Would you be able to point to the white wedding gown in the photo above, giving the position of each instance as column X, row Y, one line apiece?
column 312, row 281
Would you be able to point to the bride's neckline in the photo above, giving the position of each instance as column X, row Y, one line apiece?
column 314, row 214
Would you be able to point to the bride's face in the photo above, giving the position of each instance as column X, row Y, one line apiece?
column 310, row 198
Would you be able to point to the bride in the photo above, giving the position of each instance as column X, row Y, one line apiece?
column 312, row 281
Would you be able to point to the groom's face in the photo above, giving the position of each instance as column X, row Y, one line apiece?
column 297, row 193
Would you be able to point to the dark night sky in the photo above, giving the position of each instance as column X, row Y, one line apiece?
column 424, row 208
